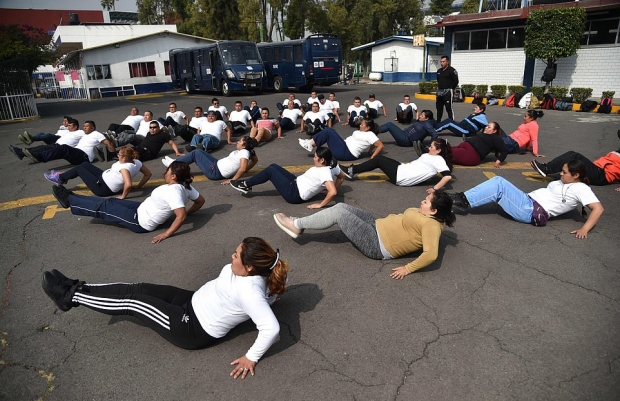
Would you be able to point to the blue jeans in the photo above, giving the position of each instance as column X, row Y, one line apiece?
column 285, row 182
column 48, row 153
column 168, row 121
column 511, row 145
column 515, row 202
column 49, row 139
column 208, row 141
column 397, row 133
column 112, row 210
column 286, row 123
column 205, row 162
column 254, row 112
column 92, row 177
column 336, row 144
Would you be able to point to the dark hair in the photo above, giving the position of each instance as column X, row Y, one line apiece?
column 249, row 143
column 91, row 122
column 576, row 166
column 374, row 127
column 66, row 118
column 535, row 114
column 264, row 109
column 332, row 93
column 324, row 153
column 73, row 121
column 498, row 129
column 239, row 102
column 444, row 56
column 428, row 114
column 259, row 254
column 198, row 107
column 482, row 107
column 182, row 172
column 215, row 100
column 321, row 96
column 150, row 112
column 442, row 203
column 172, row 103
column 445, row 151
column 357, row 98
column 406, row 96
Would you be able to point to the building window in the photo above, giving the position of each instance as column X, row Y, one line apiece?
column 166, row 67
column 435, row 50
column 461, row 41
column 479, row 40
column 601, row 32
column 497, row 38
column 96, row 72
column 489, row 39
column 516, row 37
column 137, row 70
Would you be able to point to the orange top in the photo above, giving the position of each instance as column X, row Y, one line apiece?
column 610, row 163
column 527, row 134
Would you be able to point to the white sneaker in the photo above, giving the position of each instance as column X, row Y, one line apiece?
column 306, row 144
column 167, row 161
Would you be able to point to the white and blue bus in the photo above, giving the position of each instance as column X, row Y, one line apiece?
column 302, row 63
column 226, row 66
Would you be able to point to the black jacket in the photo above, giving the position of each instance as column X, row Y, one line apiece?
column 447, row 79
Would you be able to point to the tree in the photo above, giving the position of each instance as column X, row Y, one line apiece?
column 27, row 46
column 153, row 12
column 552, row 34
column 216, row 19
column 472, row 6
column 441, row 7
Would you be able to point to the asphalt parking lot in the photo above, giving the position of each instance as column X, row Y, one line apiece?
column 508, row 311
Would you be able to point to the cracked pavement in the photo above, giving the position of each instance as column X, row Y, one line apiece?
column 508, row 311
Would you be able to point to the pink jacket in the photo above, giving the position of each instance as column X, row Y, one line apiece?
column 527, row 134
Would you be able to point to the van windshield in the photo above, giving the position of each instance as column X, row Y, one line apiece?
column 240, row 54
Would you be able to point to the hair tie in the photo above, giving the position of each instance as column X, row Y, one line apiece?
column 277, row 258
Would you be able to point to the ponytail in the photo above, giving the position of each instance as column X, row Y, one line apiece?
column 257, row 252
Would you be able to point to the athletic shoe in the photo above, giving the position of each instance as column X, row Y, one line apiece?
column 167, row 161
column 63, row 278
column 27, row 137
column 29, row 155
column 541, row 168
column 54, row 177
column 240, row 186
column 62, row 195
column 170, row 130
column 60, row 290
column 459, row 200
column 306, row 144
column 200, row 146
column 111, row 136
column 287, row 225
column 309, row 129
column 358, row 120
column 17, row 152
column 189, row 148
column 418, row 146
column 348, row 171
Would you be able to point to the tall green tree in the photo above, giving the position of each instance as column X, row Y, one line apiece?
column 472, row 6
column 552, row 34
column 27, row 46
column 440, row 7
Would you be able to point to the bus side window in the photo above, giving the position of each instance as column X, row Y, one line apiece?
column 277, row 54
column 288, row 53
column 269, row 54
column 299, row 53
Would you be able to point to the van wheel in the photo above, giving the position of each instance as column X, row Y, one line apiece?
column 225, row 88
column 277, row 84
column 187, row 87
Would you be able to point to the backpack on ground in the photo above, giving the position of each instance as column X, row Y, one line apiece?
column 518, row 97
column 477, row 98
column 588, row 105
column 524, row 103
column 605, row 106
column 563, row 106
column 510, row 101
column 458, row 95
column 548, row 102
column 492, row 101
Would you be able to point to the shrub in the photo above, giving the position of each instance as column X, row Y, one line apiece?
column 609, row 94
column 538, row 91
column 558, row 92
column 514, row 89
column 580, row 95
column 468, row 89
column 482, row 89
column 428, row 88
column 498, row 91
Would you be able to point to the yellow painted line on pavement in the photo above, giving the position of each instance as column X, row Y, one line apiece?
column 488, row 174
column 145, row 96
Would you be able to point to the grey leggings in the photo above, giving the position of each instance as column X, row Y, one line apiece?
column 357, row 224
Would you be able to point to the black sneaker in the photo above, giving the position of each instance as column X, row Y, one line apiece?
column 240, row 186
column 189, row 148
column 17, row 152
column 459, row 200
column 417, row 146
column 348, row 172
column 29, row 155
column 58, row 291
column 62, row 195
column 64, row 278
column 541, row 168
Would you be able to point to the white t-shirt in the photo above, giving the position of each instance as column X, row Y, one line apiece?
column 296, row 101
column 144, row 127
column 133, row 121
column 196, row 121
column 240, row 116
column 292, row 114
column 357, row 110
column 404, row 106
column 375, row 104
column 229, row 300
column 178, row 116
column 360, row 142
column 336, row 104
column 313, row 181
column 215, row 128
column 574, row 194
column 70, row 138
column 158, row 207
column 222, row 109
column 321, row 116
column 88, row 142
column 313, row 100
column 113, row 177
column 229, row 165
column 328, row 106
column 420, row 170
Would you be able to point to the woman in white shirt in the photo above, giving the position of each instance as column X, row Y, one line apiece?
column 300, row 189
column 245, row 289
column 437, row 160
column 166, row 200
column 538, row 206
column 234, row 165
column 117, row 179
column 363, row 140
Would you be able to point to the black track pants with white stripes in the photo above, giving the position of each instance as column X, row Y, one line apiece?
column 165, row 309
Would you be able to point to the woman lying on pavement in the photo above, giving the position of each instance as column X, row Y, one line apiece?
column 245, row 289
column 390, row 237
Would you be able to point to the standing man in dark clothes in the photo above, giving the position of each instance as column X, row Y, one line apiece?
column 447, row 81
